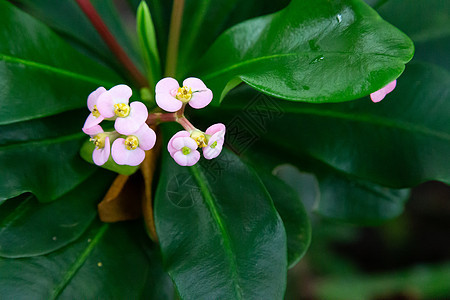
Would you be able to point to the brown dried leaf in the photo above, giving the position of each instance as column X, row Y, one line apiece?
column 122, row 202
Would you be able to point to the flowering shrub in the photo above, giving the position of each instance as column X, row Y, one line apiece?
column 269, row 85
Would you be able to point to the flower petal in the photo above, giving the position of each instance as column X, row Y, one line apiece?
column 92, row 131
column 181, row 142
column 210, row 153
column 100, row 156
column 170, row 148
column 168, row 102
column 120, row 93
column 195, row 84
column 123, row 156
column 215, row 128
column 130, row 124
column 201, row 99
column 92, row 98
column 146, row 137
column 186, row 160
column 105, row 105
column 378, row 95
column 390, row 87
column 90, row 122
column 166, row 86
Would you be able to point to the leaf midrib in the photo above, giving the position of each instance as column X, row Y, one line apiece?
column 58, row 71
column 274, row 56
column 209, row 199
column 78, row 263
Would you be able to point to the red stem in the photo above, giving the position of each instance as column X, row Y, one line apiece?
column 158, row 118
column 108, row 38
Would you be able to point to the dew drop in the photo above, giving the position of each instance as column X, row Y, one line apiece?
column 339, row 18
column 317, row 59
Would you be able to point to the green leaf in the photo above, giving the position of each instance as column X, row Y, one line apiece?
column 107, row 262
column 400, row 142
column 349, row 53
column 219, row 233
column 67, row 19
column 47, row 168
column 40, row 75
column 29, row 228
column 86, row 153
column 204, row 20
column 428, row 25
column 358, row 201
column 292, row 212
column 147, row 41
column 340, row 197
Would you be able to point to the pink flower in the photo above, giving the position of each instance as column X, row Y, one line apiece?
column 170, row 96
column 215, row 141
column 381, row 93
column 130, row 151
column 114, row 104
column 100, row 155
column 183, row 149
column 94, row 117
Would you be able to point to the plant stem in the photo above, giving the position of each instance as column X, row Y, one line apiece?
column 157, row 118
column 89, row 10
column 174, row 37
column 178, row 116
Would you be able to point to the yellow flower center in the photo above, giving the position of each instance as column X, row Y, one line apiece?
column 186, row 150
column 95, row 112
column 131, row 142
column 121, row 110
column 99, row 140
column 199, row 138
column 184, row 94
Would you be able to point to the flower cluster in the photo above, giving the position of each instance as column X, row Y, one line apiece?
column 184, row 144
column 133, row 136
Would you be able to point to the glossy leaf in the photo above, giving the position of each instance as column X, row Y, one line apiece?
column 357, row 201
column 147, row 41
column 108, row 261
column 400, row 142
column 29, row 228
column 204, row 20
column 40, row 74
column 426, row 23
column 67, row 19
column 47, row 168
column 340, row 197
column 292, row 212
column 220, row 235
column 312, row 51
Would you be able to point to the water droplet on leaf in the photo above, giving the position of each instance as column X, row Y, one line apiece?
column 339, row 18
column 317, row 59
